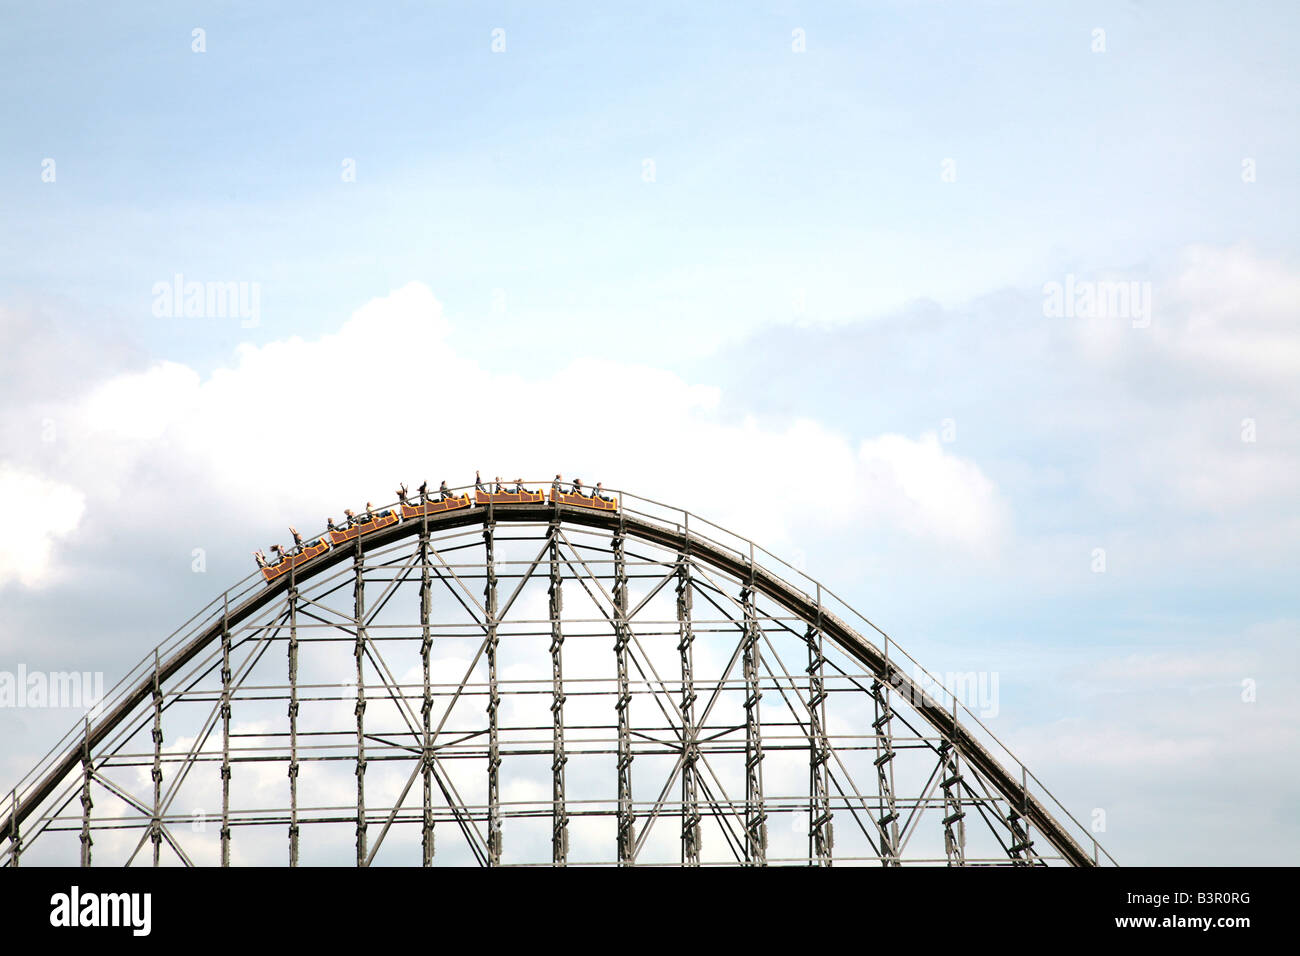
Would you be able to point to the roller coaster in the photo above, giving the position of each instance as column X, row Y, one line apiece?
column 519, row 678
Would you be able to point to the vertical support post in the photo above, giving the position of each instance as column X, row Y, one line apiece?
column 954, row 826
column 559, row 814
column 755, row 812
column 225, row 729
column 359, row 652
column 626, row 819
column 155, row 824
column 426, row 706
column 690, row 744
column 86, row 802
column 494, row 697
column 887, row 821
column 293, row 719
column 821, row 838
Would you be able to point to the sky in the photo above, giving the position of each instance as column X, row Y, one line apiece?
column 718, row 255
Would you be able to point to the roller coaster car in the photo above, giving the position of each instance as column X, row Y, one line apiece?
column 435, row 507
column 358, row 528
column 319, row 546
column 524, row 497
column 582, row 501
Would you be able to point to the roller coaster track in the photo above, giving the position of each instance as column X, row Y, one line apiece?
column 671, row 530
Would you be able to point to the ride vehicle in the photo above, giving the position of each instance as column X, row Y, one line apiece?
column 364, row 525
column 433, row 507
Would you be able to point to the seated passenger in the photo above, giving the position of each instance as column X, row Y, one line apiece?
column 600, row 492
column 297, row 538
column 519, row 486
column 401, row 493
column 424, row 491
column 370, row 514
column 498, row 485
column 577, row 487
column 260, row 558
column 351, row 516
column 444, row 490
column 279, row 553
column 478, row 483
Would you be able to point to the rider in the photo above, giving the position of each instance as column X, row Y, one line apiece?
column 444, row 490
column 600, row 492
column 519, row 486
column 260, row 558
column 351, row 516
column 401, row 493
column 478, row 482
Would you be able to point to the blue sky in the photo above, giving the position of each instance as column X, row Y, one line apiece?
column 798, row 282
column 521, row 171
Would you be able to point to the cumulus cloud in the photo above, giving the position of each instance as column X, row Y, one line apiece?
column 931, row 492
column 37, row 513
column 296, row 429
column 140, row 407
column 1235, row 313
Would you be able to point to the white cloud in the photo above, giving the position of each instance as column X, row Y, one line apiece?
column 931, row 492
column 37, row 512
column 1236, row 313
column 142, row 406
column 298, row 429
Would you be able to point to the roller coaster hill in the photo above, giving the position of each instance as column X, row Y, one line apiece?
column 531, row 674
